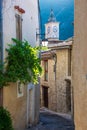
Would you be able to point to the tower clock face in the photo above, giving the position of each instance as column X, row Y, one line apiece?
column 54, row 29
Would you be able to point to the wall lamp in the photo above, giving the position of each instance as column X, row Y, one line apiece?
column 45, row 42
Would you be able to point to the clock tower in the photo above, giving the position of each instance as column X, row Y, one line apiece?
column 52, row 27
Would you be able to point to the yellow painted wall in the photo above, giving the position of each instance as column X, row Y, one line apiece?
column 16, row 106
column 79, row 67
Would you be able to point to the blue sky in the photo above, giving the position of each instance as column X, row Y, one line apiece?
column 64, row 12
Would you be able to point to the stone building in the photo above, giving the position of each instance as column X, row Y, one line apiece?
column 19, row 19
column 79, row 66
column 56, row 81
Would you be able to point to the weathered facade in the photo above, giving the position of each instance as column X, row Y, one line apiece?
column 56, row 82
column 79, row 67
column 19, row 19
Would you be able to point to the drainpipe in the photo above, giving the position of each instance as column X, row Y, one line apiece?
column 27, row 106
column 1, row 43
column 72, row 84
column 35, row 111
column 55, row 65
column 1, row 33
column 37, row 89
column 39, row 17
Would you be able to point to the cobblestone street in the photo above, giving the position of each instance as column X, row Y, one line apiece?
column 51, row 121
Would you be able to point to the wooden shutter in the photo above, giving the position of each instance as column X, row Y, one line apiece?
column 18, row 27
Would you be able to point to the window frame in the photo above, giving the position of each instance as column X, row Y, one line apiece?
column 20, row 89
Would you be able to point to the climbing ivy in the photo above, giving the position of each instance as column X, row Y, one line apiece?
column 22, row 63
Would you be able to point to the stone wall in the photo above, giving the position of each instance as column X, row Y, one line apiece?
column 61, row 73
column 52, row 86
column 58, row 87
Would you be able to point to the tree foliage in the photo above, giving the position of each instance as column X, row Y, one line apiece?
column 5, row 120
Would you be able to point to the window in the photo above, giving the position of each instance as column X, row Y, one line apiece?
column 20, row 89
column 18, row 27
column 46, row 70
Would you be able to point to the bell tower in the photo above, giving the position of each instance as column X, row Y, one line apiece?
column 52, row 27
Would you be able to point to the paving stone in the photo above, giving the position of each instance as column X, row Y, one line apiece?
column 49, row 121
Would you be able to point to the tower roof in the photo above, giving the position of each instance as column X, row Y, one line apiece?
column 52, row 18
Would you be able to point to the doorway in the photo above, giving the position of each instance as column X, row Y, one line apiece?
column 68, row 96
column 45, row 96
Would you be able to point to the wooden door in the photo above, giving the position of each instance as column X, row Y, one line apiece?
column 68, row 96
column 45, row 96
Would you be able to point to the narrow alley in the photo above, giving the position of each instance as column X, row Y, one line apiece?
column 52, row 121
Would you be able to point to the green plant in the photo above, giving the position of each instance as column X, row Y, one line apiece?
column 5, row 120
column 3, row 80
column 23, row 63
